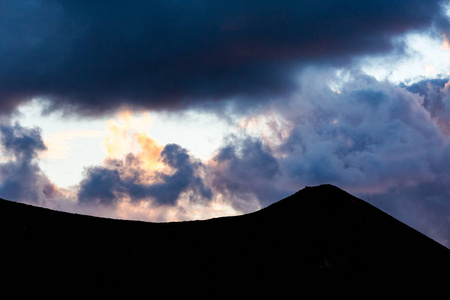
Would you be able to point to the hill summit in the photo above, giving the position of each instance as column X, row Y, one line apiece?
column 321, row 240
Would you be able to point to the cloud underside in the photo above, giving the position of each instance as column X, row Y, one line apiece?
column 127, row 178
column 89, row 58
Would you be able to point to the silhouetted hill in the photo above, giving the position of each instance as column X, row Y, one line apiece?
column 320, row 241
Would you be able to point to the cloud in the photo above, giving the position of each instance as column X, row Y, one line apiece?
column 90, row 58
column 100, row 184
column 365, row 134
column 21, row 178
column 385, row 143
column 184, row 177
column 20, row 142
column 127, row 179
column 142, row 179
column 436, row 100
column 445, row 43
column 128, row 133
column 245, row 171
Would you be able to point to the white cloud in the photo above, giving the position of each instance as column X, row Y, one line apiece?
column 425, row 57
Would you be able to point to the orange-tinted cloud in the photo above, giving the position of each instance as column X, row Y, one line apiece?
column 128, row 134
column 150, row 153
column 445, row 43
column 122, row 131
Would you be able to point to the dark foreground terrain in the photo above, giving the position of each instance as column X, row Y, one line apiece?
column 320, row 242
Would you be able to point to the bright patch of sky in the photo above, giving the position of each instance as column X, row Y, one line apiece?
column 426, row 57
column 72, row 144
column 200, row 133
column 75, row 144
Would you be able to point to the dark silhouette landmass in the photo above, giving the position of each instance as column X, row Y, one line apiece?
column 321, row 242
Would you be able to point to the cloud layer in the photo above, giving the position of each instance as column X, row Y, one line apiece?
column 127, row 179
column 388, row 144
column 91, row 57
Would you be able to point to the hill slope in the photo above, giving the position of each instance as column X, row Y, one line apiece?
column 320, row 240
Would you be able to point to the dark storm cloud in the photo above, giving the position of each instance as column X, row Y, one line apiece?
column 93, row 56
column 21, row 178
column 109, row 184
column 436, row 99
column 184, row 177
column 21, row 142
column 244, row 168
column 100, row 184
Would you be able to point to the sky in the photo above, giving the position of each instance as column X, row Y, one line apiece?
column 180, row 110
